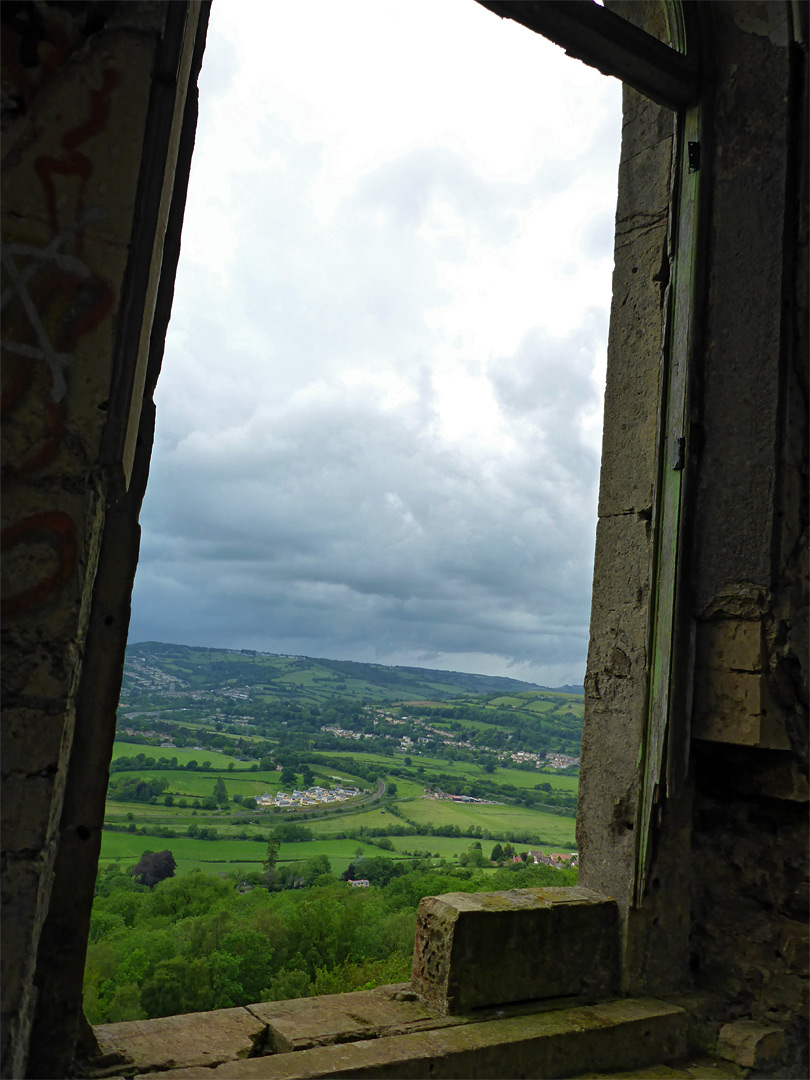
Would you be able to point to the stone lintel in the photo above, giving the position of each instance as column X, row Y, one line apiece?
column 557, row 1043
column 479, row 950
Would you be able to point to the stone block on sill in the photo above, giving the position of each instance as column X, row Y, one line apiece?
column 749, row 1044
column 479, row 950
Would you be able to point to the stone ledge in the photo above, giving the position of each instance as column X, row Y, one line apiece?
column 303, row 1023
column 554, row 1043
column 176, row 1042
column 701, row 1068
column 478, row 950
column 275, row 1027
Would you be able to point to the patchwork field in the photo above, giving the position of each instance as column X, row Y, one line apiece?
column 293, row 712
column 499, row 820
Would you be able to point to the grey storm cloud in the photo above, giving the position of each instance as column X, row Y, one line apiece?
column 305, row 495
column 342, row 528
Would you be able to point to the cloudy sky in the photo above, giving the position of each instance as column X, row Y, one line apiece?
column 379, row 416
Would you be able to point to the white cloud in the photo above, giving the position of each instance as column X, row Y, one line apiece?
column 379, row 415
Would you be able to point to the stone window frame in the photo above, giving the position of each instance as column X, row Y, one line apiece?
column 587, row 32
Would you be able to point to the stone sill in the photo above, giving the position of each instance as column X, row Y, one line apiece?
column 390, row 1032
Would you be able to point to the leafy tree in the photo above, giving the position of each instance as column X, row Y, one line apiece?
column 287, row 776
column 220, row 794
column 188, row 895
column 126, row 1004
column 154, row 867
column 273, row 845
column 287, row 985
column 474, row 856
column 379, row 870
column 103, row 923
column 178, row 985
column 293, row 830
column 306, row 776
column 497, row 853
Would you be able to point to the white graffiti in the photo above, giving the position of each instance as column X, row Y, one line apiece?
column 34, row 258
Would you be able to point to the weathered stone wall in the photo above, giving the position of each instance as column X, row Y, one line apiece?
column 80, row 106
column 749, row 946
column 746, row 581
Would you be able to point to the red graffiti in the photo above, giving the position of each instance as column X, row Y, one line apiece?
column 51, row 298
column 74, row 162
column 56, row 527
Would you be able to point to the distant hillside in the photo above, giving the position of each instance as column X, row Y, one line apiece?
column 305, row 678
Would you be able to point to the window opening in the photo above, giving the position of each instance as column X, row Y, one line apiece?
column 417, row 193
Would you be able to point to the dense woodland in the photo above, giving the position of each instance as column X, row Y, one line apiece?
column 195, row 941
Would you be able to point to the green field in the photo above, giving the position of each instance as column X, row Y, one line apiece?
column 556, row 832
column 521, row 778
column 183, row 754
column 408, row 789
column 185, row 849
column 500, row 820
column 224, row 855
column 338, row 822
column 450, row 847
column 283, row 688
